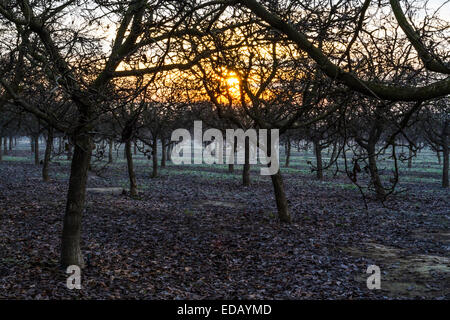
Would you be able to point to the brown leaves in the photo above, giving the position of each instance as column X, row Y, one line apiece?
column 187, row 237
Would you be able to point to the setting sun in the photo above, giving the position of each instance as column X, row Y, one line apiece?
column 232, row 81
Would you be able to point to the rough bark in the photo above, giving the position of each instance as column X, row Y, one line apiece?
column 410, row 155
column 70, row 242
column 47, row 155
column 131, row 174
column 445, row 153
column 288, row 151
column 110, row 151
column 36, row 149
column 169, row 152
column 445, row 167
column 318, row 154
column 378, row 186
column 155, row 157
column 231, row 165
column 163, row 153
column 32, row 144
column 280, row 198
column 69, row 150
column 60, row 145
column 246, row 168
column 278, row 187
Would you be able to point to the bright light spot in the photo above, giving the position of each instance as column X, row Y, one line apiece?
column 232, row 81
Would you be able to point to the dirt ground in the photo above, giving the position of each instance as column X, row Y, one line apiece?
column 195, row 232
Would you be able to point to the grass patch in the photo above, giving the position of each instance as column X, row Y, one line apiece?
column 16, row 159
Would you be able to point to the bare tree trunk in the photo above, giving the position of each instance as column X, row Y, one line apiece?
column 410, row 155
column 36, row 149
column 335, row 150
column 445, row 167
column 48, row 153
column 278, row 187
column 379, row 190
column 70, row 242
column 318, row 154
column 32, row 144
column 280, row 198
column 69, row 150
column 246, row 168
column 445, row 151
column 1, row 152
column 231, row 165
column 155, row 157
column 5, row 145
column 163, row 153
column 110, row 150
column 60, row 145
column 288, row 151
column 169, row 152
column 135, row 148
column 10, row 143
column 131, row 174
column 344, row 152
